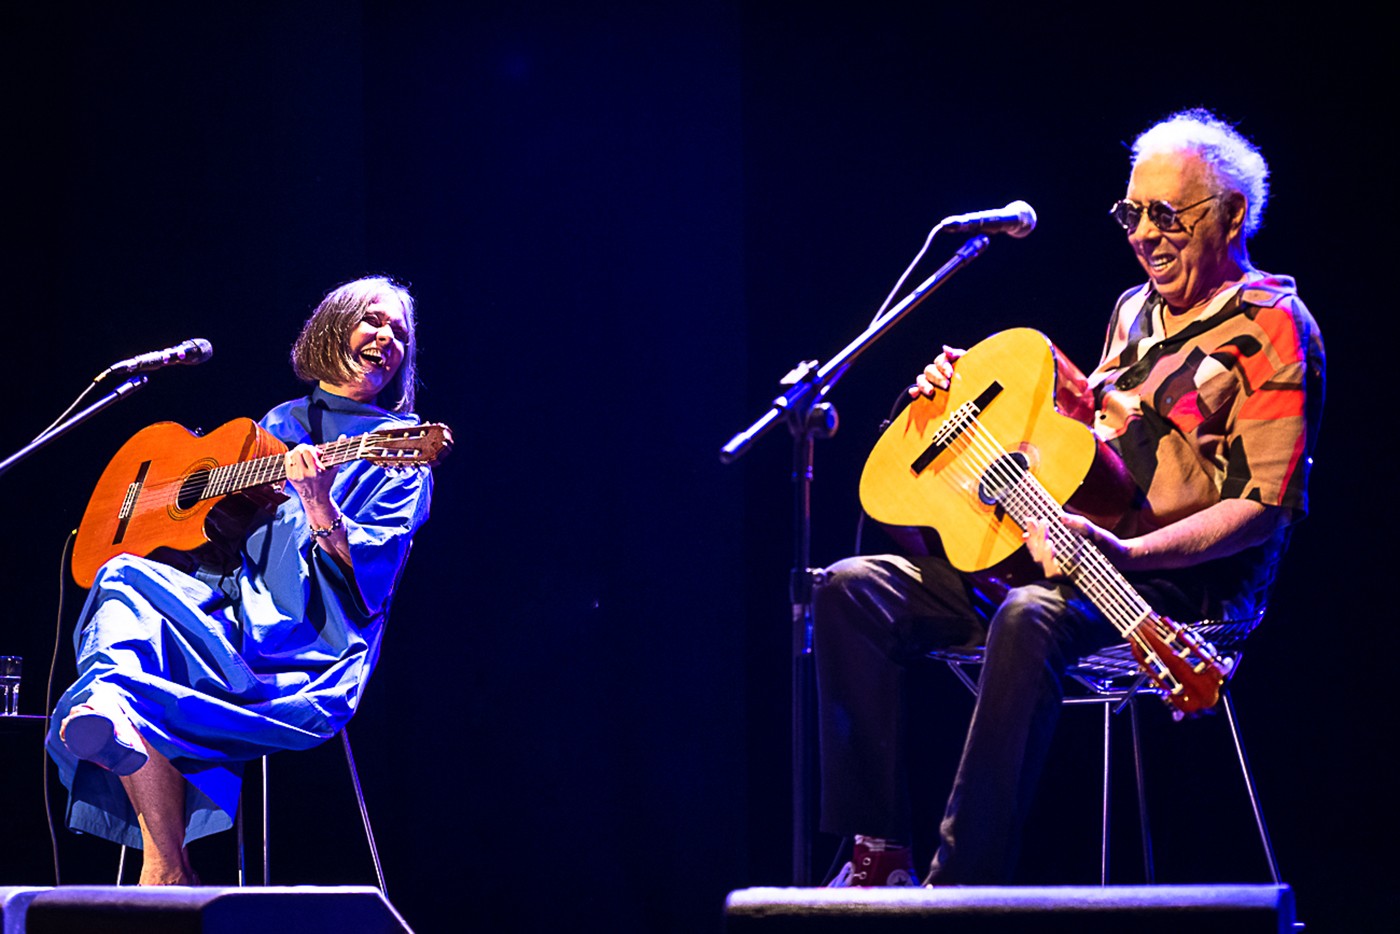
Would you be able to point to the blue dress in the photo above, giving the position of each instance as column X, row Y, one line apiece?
column 217, row 670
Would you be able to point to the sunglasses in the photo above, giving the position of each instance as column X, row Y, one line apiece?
column 1164, row 217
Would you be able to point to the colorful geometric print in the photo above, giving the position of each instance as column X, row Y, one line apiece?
column 1229, row 407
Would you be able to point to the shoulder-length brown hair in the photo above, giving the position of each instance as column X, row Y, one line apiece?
column 322, row 352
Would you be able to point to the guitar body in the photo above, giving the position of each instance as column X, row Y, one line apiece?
column 1036, row 404
column 1008, row 444
column 147, row 498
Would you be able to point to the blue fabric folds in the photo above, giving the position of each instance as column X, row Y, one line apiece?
column 219, row 670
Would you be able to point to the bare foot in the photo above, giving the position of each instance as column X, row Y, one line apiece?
column 103, row 734
column 156, row 872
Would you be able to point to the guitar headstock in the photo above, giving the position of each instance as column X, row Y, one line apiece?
column 1185, row 666
column 410, row 446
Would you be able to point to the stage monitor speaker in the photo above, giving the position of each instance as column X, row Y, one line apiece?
column 211, row 910
column 1141, row 909
column 14, row 903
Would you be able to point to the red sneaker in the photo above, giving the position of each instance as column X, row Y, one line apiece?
column 876, row 862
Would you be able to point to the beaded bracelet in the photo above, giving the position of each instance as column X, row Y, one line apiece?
column 325, row 533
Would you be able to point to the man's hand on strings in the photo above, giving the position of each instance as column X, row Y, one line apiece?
column 1042, row 549
column 938, row 375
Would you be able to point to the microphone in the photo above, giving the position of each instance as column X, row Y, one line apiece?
column 1016, row 219
column 191, row 352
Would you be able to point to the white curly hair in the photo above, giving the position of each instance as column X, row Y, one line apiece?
column 1236, row 164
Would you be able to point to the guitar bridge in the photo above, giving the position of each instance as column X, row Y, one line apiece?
column 954, row 427
column 129, row 502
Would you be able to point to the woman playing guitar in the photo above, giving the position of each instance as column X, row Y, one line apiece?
column 186, row 673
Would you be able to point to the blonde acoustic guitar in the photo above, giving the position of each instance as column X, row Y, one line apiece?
column 1007, row 443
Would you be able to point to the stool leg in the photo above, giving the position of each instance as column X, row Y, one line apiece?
column 1144, row 827
column 266, row 829
column 1249, row 786
column 1103, row 850
column 364, row 811
column 238, row 843
column 121, row 864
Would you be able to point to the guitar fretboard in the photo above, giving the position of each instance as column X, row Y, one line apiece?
column 232, row 478
column 1005, row 479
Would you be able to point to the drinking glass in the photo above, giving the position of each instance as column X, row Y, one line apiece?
column 10, row 667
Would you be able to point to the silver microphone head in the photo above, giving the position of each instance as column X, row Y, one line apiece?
column 1027, row 215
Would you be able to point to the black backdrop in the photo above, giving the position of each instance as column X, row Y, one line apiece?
column 623, row 223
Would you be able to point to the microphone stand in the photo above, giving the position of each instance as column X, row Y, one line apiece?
column 803, row 407
column 125, row 389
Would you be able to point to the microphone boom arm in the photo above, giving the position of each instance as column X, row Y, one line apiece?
column 820, row 382
column 809, row 416
column 125, row 389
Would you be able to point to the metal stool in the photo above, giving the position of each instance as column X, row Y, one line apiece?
column 266, row 824
column 1112, row 678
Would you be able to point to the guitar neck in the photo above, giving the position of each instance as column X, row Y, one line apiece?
column 1077, row 557
column 1021, row 495
column 260, row 471
column 1168, row 654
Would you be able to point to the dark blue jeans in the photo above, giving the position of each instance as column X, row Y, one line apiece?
column 875, row 616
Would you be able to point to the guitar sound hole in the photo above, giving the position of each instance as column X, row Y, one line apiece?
column 192, row 489
column 1004, row 472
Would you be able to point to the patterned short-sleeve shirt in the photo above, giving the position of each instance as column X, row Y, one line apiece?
column 1226, row 408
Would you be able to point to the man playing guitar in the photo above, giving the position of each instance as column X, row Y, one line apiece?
column 1210, row 389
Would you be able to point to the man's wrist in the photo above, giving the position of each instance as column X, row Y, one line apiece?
column 1139, row 552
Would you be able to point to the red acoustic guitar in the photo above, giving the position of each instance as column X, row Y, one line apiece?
column 169, row 490
column 1001, row 448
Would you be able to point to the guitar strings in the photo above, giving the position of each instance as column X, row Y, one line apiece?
column 273, row 467
column 1022, row 488
column 1023, row 498
column 1019, row 488
column 1020, row 492
column 115, row 503
column 223, row 479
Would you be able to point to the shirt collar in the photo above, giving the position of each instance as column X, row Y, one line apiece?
column 337, row 403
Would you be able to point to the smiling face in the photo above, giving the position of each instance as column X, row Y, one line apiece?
column 361, row 342
column 1191, row 264
column 376, row 345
